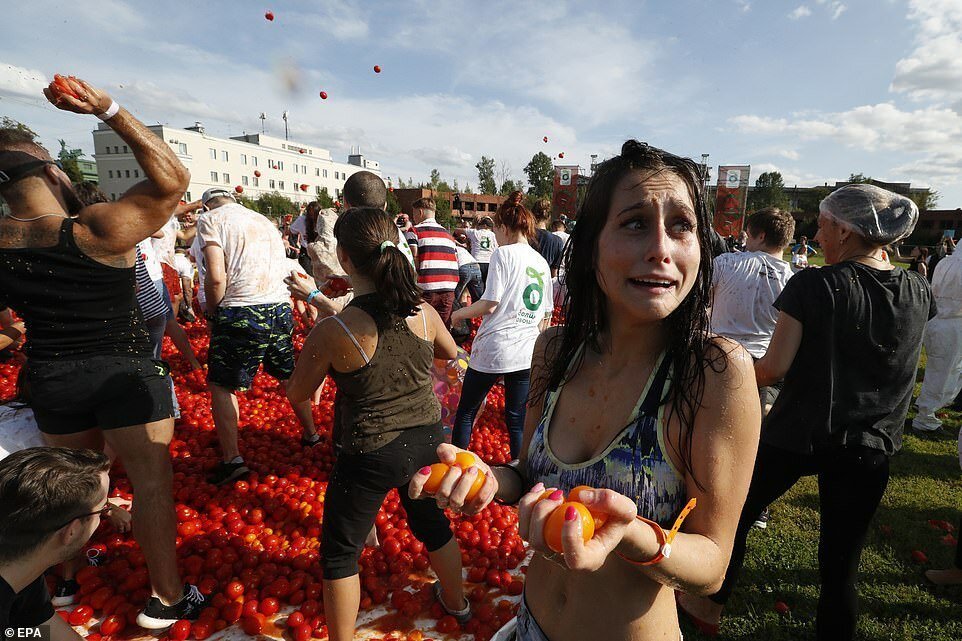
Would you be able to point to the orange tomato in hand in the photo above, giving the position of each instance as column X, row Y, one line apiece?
column 438, row 470
column 575, row 495
column 553, row 526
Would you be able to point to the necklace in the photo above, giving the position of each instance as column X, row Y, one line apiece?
column 30, row 220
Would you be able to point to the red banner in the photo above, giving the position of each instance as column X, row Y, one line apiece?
column 731, row 198
column 564, row 197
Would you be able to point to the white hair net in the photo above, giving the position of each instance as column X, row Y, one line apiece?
column 879, row 215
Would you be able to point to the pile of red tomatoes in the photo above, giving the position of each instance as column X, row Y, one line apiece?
column 253, row 546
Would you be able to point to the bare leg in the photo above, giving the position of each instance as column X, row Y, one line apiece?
column 179, row 336
column 143, row 450
column 446, row 563
column 342, row 598
column 226, row 414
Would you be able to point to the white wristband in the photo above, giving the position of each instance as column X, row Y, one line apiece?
column 111, row 111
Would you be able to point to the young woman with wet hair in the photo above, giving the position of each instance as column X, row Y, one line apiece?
column 634, row 397
column 379, row 350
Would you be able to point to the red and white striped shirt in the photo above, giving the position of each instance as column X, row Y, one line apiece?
column 437, row 256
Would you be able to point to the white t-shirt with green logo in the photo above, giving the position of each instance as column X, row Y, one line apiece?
column 519, row 281
column 483, row 244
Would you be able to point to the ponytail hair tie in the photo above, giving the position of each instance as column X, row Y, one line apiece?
column 386, row 244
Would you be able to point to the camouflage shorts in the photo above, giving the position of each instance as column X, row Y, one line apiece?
column 241, row 338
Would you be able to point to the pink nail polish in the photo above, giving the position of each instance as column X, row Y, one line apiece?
column 425, row 470
column 571, row 513
column 557, row 495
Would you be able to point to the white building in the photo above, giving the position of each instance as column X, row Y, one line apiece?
column 252, row 164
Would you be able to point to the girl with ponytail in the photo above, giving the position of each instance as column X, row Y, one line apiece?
column 379, row 351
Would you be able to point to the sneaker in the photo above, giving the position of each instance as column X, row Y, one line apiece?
column 461, row 616
column 928, row 435
column 157, row 616
column 310, row 441
column 227, row 472
column 762, row 521
column 65, row 593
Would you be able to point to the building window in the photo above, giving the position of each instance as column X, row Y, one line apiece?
column 317, row 172
column 116, row 149
column 226, row 179
column 136, row 173
column 127, row 172
column 110, row 173
column 281, row 185
column 337, row 194
column 113, row 196
column 317, row 190
column 337, row 175
column 271, row 183
column 182, row 147
column 213, row 176
column 243, row 159
column 254, row 160
column 187, row 196
column 270, row 163
column 325, row 173
column 256, row 182
column 224, row 156
column 213, row 153
column 125, row 148
column 469, row 206
column 280, row 165
column 296, row 170
column 304, row 169
column 244, row 180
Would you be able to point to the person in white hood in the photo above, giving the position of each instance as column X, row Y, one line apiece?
column 943, row 345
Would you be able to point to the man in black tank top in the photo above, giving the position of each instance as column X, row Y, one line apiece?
column 91, row 377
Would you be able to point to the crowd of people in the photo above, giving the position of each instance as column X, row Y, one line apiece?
column 687, row 389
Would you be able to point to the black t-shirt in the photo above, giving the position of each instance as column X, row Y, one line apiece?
column 26, row 609
column 852, row 378
column 551, row 248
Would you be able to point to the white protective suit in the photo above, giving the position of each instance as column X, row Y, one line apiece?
column 943, row 344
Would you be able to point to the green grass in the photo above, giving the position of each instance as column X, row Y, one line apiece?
column 894, row 602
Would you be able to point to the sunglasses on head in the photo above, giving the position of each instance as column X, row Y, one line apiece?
column 19, row 172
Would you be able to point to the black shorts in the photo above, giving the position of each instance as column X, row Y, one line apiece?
column 103, row 392
column 357, row 487
column 241, row 338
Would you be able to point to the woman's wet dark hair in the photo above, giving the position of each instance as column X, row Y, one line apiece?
column 689, row 346
column 369, row 237
column 311, row 213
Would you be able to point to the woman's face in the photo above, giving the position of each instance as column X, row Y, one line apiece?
column 829, row 238
column 648, row 252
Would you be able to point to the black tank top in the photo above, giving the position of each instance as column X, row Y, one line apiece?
column 393, row 392
column 73, row 307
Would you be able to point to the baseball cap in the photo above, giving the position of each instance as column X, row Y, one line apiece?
column 215, row 192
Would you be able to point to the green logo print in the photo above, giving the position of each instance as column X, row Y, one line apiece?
column 485, row 243
column 534, row 292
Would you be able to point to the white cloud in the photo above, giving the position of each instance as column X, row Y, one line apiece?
column 21, row 82
column 922, row 143
column 336, row 18
column 791, row 154
column 744, row 5
column 800, row 11
column 933, row 70
column 838, row 9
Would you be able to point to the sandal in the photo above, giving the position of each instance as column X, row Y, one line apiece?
column 462, row 616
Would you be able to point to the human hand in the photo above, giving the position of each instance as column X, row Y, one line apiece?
column 73, row 94
column 456, row 484
column 578, row 554
column 119, row 515
column 457, row 317
column 300, row 285
column 187, row 209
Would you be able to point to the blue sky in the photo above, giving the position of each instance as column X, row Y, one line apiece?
column 816, row 89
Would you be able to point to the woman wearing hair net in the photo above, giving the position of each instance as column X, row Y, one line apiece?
column 847, row 345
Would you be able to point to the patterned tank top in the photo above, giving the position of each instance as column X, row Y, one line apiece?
column 635, row 463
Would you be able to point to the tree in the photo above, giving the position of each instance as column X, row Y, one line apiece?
column 7, row 122
column 68, row 158
column 486, row 176
column 809, row 200
column 467, row 189
column 540, row 172
column 443, row 209
column 509, row 186
column 769, row 192
column 324, row 199
column 393, row 206
column 925, row 198
column 504, row 175
column 273, row 205
column 859, row 178
column 435, row 180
